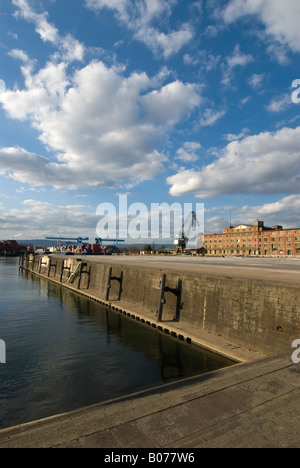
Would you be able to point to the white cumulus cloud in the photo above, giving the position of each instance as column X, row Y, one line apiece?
column 210, row 117
column 102, row 127
column 236, row 59
column 30, row 217
column 280, row 18
column 284, row 212
column 145, row 18
column 258, row 164
column 172, row 102
column 70, row 48
column 188, row 153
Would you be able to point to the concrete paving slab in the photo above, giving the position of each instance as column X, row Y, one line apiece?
column 186, row 419
column 161, row 429
column 103, row 439
column 131, row 434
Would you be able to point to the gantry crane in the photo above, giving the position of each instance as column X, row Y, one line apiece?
column 116, row 242
column 79, row 240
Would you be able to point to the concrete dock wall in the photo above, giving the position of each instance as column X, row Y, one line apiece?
column 259, row 315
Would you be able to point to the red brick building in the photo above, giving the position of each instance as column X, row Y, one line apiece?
column 11, row 247
column 254, row 240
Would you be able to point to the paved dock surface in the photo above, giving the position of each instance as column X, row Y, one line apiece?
column 249, row 405
column 275, row 270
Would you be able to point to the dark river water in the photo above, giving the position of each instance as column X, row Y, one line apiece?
column 64, row 352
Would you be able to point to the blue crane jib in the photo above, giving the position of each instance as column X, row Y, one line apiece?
column 78, row 240
column 100, row 241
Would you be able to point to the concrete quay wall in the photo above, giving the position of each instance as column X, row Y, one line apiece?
column 256, row 314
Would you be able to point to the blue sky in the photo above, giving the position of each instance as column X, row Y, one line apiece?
column 164, row 100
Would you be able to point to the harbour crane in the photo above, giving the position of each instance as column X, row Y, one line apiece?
column 100, row 241
column 78, row 240
column 190, row 223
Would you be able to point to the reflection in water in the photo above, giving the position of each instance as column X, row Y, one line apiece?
column 65, row 351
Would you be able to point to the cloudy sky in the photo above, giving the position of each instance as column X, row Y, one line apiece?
column 163, row 100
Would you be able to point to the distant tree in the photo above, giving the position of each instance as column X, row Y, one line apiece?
column 202, row 251
column 134, row 249
column 148, row 248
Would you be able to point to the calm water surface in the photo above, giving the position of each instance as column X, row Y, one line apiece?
column 64, row 352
